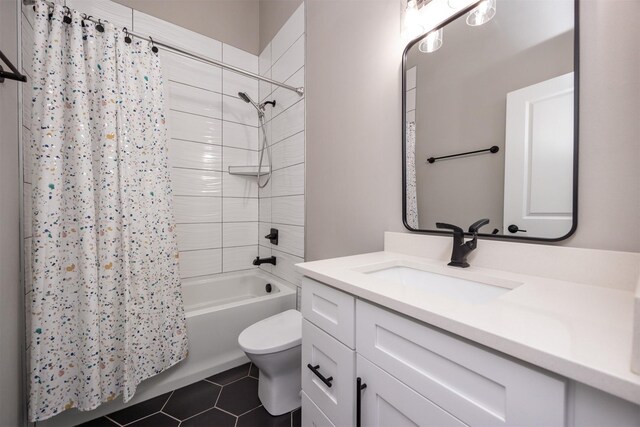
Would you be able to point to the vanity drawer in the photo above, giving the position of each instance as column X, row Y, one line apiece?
column 331, row 310
column 477, row 386
column 312, row 416
column 331, row 359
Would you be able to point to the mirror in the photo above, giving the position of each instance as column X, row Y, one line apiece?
column 490, row 122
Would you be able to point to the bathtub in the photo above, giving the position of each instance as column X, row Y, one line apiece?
column 217, row 310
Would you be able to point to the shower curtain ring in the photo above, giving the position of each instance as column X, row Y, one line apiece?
column 84, row 16
column 100, row 27
column 67, row 15
column 127, row 39
column 154, row 49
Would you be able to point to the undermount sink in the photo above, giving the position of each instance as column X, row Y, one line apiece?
column 453, row 287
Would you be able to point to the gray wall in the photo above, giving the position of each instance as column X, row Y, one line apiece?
column 353, row 154
column 11, row 394
column 457, row 113
column 609, row 182
column 273, row 15
column 234, row 22
column 353, row 126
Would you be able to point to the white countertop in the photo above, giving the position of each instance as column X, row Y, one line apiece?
column 577, row 330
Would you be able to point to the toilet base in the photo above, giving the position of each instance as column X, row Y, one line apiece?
column 281, row 394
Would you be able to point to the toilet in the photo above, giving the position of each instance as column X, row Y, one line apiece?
column 273, row 345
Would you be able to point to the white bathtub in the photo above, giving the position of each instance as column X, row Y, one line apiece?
column 217, row 310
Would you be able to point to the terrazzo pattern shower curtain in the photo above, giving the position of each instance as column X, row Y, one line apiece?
column 106, row 305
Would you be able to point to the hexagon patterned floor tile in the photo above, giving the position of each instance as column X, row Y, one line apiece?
column 239, row 396
column 212, row 417
column 156, row 420
column 188, row 401
column 227, row 399
column 141, row 410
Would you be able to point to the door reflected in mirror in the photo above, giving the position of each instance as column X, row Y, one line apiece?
column 490, row 123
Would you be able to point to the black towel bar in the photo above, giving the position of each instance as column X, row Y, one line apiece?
column 493, row 149
column 14, row 75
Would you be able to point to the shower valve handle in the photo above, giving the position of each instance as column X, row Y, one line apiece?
column 273, row 236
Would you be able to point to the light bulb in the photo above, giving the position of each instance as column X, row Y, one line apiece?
column 412, row 27
column 432, row 42
column 482, row 14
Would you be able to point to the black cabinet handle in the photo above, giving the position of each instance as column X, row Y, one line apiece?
column 314, row 369
column 359, row 387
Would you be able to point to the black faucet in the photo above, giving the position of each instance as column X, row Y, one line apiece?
column 462, row 249
column 270, row 260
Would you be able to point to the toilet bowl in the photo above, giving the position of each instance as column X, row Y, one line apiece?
column 273, row 345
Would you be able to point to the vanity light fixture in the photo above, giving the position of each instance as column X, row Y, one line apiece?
column 482, row 14
column 432, row 42
column 412, row 27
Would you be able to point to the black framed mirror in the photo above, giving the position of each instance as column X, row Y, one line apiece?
column 490, row 121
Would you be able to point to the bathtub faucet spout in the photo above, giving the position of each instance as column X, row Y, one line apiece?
column 270, row 260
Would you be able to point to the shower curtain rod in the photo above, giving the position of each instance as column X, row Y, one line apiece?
column 201, row 58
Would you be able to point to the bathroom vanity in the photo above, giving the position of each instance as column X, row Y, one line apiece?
column 529, row 335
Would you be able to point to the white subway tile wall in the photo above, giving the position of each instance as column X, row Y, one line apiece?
column 211, row 129
column 282, row 201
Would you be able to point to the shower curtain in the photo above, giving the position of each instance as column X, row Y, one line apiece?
column 412, row 199
column 106, row 305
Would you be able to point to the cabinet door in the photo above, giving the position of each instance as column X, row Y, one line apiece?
column 312, row 416
column 331, row 359
column 479, row 387
column 386, row 402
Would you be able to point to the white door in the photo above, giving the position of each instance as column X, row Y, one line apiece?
column 538, row 176
column 386, row 402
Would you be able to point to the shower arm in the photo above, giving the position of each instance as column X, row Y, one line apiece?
column 201, row 58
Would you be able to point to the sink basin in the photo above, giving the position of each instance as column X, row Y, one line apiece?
column 440, row 284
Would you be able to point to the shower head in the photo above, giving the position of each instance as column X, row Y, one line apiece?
column 246, row 98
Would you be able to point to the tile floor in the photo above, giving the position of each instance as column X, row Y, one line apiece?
column 228, row 399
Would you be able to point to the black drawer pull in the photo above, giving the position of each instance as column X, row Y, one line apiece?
column 314, row 369
column 359, row 387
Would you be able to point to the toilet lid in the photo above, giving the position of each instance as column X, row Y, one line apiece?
column 276, row 333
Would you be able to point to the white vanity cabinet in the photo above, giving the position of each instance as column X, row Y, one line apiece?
column 477, row 386
column 414, row 374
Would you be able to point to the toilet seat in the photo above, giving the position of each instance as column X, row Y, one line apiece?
column 276, row 333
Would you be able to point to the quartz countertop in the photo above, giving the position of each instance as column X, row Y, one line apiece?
column 580, row 331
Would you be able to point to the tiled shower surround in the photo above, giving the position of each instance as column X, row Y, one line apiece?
column 282, row 201
column 222, row 218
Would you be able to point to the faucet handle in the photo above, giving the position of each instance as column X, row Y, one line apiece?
column 455, row 228
column 473, row 228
